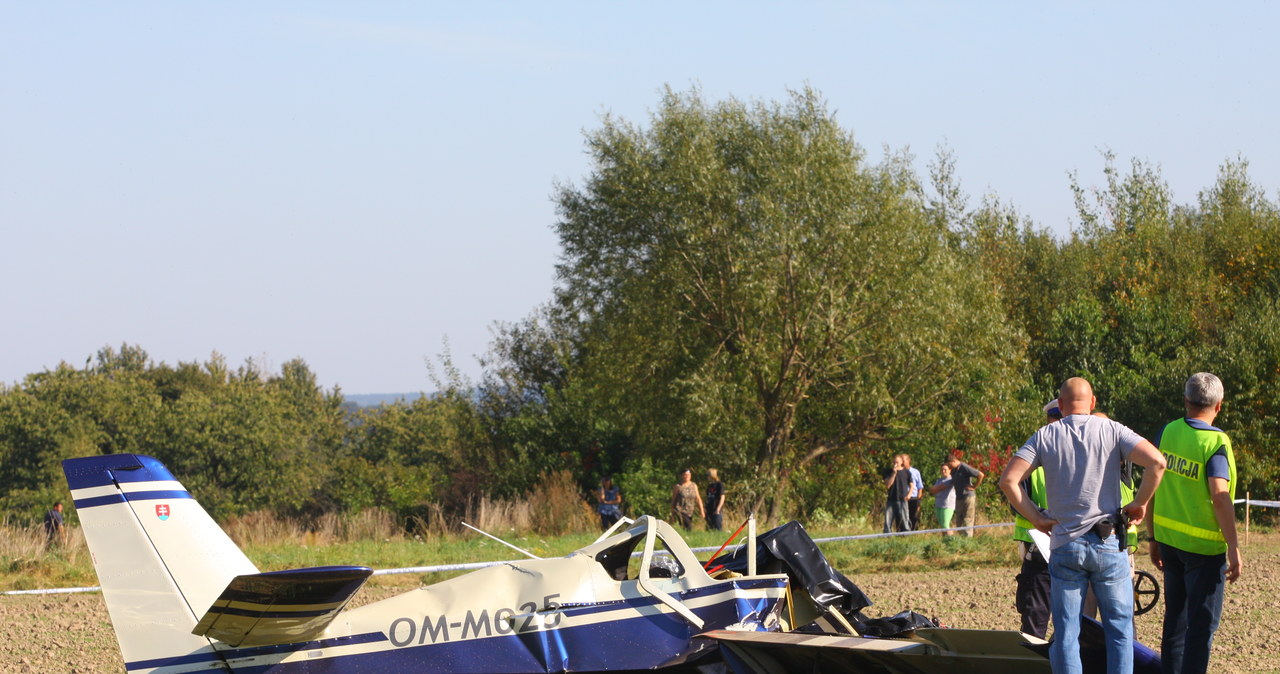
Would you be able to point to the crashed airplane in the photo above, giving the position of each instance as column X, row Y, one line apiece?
column 184, row 598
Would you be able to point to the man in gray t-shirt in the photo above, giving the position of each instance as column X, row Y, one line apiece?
column 1076, row 453
column 1081, row 457
column 965, row 479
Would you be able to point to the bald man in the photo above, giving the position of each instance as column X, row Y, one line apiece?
column 1081, row 457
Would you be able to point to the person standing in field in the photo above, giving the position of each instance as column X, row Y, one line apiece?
column 715, row 500
column 944, row 499
column 54, row 529
column 897, row 482
column 1194, row 527
column 1081, row 457
column 913, row 499
column 1031, row 597
column 609, row 504
column 965, row 479
column 685, row 499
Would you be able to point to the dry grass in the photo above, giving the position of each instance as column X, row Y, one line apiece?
column 262, row 527
column 558, row 507
column 432, row 523
column 553, row 507
column 19, row 543
column 265, row 528
column 29, row 561
column 370, row 524
column 499, row 515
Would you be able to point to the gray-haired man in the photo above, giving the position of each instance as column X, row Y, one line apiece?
column 1194, row 525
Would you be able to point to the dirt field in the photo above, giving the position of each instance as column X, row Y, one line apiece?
column 71, row 633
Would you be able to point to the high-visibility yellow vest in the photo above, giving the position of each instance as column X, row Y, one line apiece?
column 1183, row 515
column 1035, row 491
column 1126, row 497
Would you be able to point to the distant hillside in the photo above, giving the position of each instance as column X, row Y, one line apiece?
column 375, row 399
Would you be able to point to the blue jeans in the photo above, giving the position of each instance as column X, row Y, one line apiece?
column 1089, row 561
column 1193, row 587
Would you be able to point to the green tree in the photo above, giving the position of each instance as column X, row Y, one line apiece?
column 541, row 414
column 35, row 436
column 113, row 398
column 241, row 448
column 1237, row 229
column 741, row 276
column 403, row 455
column 1153, row 292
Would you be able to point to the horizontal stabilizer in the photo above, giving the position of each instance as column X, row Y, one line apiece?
column 280, row 607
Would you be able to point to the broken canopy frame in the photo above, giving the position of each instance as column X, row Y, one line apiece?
column 789, row 549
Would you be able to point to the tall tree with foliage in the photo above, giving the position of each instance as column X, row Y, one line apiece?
column 747, row 286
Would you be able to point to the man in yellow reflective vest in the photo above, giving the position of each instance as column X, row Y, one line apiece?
column 1194, row 526
column 1031, row 596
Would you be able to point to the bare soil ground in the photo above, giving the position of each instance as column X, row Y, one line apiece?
column 72, row 633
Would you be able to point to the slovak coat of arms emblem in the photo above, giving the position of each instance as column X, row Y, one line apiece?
column 162, row 511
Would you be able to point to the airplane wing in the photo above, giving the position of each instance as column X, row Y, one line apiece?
column 280, row 607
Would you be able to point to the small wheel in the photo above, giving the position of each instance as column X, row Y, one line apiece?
column 1146, row 592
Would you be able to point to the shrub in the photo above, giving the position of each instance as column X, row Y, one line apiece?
column 646, row 489
column 556, row 505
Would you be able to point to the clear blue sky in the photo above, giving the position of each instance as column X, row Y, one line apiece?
column 351, row 183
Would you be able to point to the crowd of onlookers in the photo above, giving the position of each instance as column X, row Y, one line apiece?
column 686, row 501
column 953, row 495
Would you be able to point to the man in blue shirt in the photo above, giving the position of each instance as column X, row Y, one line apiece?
column 54, row 530
column 913, row 498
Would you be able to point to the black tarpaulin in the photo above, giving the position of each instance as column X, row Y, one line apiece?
column 789, row 549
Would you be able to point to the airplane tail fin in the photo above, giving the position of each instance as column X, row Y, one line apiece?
column 161, row 559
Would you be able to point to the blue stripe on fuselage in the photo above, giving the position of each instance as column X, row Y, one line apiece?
column 159, row 494
column 255, row 651
column 640, row 641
